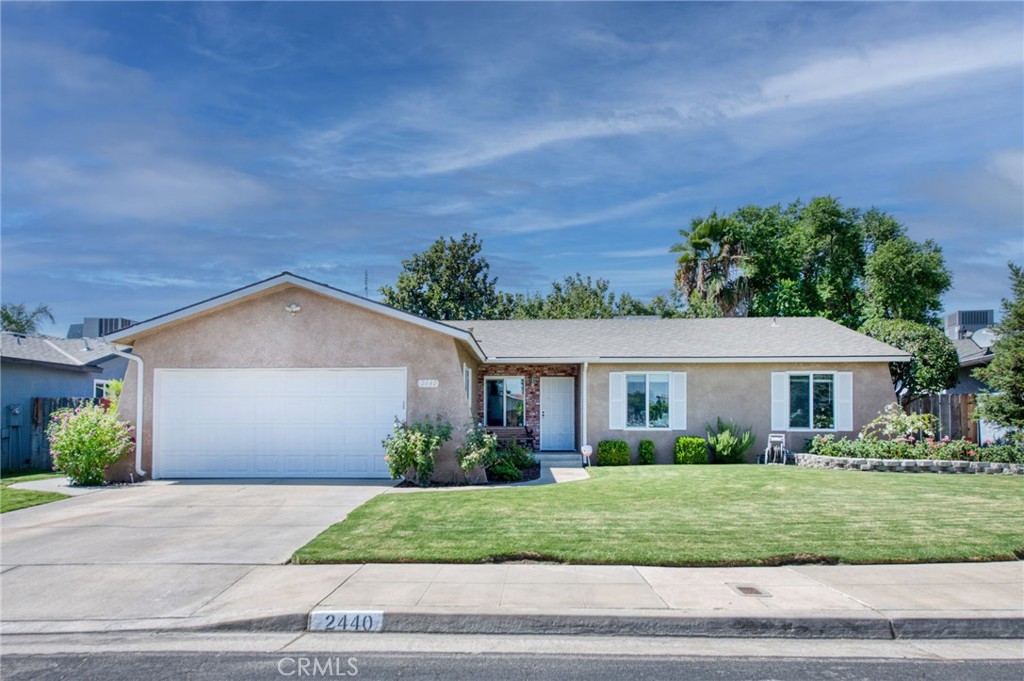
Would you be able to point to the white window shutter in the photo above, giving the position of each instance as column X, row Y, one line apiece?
column 780, row 400
column 616, row 401
column 844, row 401
column 677, row 410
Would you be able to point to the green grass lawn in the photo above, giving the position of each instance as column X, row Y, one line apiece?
column 13, row 499
column 693, row 515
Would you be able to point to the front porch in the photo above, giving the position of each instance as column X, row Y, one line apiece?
column 536, row 406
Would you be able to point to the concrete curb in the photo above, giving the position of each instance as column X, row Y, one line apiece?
column 686, row 626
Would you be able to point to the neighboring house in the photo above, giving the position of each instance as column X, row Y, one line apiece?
column 291, row 378
column 971, row 357
column 973, row 344
column 43, row 366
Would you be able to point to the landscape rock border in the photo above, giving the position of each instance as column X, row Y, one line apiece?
column 908, row 465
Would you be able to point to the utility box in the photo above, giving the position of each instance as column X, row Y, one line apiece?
column 14, row 416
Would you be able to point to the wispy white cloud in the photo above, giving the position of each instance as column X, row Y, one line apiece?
column 525, row 222
column 138, row 182
column 133, row 279
column 899, row 63
column 638, row 253
column 994, row 188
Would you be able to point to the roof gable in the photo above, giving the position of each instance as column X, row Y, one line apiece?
column 129, row 334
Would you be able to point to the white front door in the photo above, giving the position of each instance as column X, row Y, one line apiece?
column 558, row 413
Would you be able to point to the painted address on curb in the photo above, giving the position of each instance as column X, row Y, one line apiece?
column 345, row 620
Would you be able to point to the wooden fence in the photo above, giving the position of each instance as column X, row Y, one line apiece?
column 42, row 409
column 954, row 412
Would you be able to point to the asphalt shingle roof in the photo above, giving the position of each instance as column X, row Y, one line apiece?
column 970, row 352
column 742, row 338
column 70, row 352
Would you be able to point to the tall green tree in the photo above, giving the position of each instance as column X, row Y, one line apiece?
column 933, row 366
column 575, row 297
column 449, row 280
column 831, row 241
column 1004, row 403
column 17, row 318
column 906, row 280
column 816, row 259
column 709, row 271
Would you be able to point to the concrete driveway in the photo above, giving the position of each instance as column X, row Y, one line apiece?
column 156, row 554
column 182, row 522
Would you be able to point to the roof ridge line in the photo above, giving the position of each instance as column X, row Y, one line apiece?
column 61, row 351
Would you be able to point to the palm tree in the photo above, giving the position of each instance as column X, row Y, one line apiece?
column 17, row 318
column 709, row 271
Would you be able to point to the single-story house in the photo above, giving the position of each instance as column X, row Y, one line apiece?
column 971, row 357
column 290, row 377
column 44, row 366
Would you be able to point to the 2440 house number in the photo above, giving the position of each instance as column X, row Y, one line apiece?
column 346, row 621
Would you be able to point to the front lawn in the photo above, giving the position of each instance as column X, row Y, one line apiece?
column 693, row 515
column 12, row 499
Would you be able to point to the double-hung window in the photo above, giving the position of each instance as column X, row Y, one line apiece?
column 505, row 401
column 100, row 388
column 647, row 400
column 812, row 401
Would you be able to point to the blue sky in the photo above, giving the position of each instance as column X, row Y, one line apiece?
column 156, row 154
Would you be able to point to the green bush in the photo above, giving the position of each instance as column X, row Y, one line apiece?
column 504, row 471
column 691, row 450
column 1003, row 453
column 728, row 442
column 410, row 450
column 909, row 448
column 517, row 455
column 612, row 453
column 86, row 440
column 646, row 452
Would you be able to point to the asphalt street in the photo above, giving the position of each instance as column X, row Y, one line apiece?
column 219, row 666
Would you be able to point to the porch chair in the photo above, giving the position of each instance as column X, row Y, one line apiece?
column 776, row 451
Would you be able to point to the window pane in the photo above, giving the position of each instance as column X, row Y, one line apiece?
column 514, row 402
column 657, row 403
column 799, row 401
column 823, row 401
column 493, row 397
column 636, row 400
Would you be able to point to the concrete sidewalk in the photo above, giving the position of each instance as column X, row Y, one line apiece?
column 964, row 600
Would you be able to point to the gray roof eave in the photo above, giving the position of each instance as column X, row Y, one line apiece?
column 696, row 359
column 82, row 368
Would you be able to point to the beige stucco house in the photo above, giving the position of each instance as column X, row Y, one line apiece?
column 292, row 378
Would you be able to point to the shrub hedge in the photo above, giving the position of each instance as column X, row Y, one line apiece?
column 908, row 448
column 691, row 450
column 612, row 453
column 646, row 452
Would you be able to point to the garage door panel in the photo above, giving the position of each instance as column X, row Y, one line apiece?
column 275, row 422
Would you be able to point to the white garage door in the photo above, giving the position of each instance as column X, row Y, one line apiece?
column 270, row 423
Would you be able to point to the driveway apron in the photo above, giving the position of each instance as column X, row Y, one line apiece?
column 161, row 549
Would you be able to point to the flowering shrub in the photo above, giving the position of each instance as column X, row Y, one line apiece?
column 893, row 422
column 86, row 440
column 410, row 450
column 909, row 448
column 480, row 449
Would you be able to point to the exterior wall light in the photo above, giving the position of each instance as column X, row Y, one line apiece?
column 293, row 308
